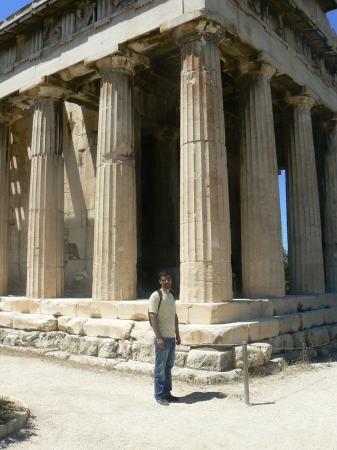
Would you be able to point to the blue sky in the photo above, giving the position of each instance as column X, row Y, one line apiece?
column 7, row 7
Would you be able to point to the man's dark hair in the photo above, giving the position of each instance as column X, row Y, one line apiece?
column 165, row 273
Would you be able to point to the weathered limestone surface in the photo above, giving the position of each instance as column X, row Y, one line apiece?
column 228, row 334
column 71, row 325
column 34, row 322
column 261, row 235
column 210, row 360
column 258, row 354
column 115, row 238
column 330, row 211
column 45, row 266
column 4, row 193
column 116, row 329
column 304, row 223
column 205, row 243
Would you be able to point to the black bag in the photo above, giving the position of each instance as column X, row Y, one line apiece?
column 160, row 299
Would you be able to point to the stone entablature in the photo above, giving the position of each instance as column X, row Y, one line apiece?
column 305, row 35
column 66, row 30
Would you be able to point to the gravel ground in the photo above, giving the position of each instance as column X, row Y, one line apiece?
column 75, row 408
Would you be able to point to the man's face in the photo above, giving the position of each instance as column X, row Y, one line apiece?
column 165, row 283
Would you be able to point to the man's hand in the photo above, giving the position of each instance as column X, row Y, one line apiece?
column 161, row 343
column 178, row 340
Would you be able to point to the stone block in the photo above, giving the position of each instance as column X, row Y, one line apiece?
column 36, row 322
column 333, row 332
column 228, row 334
column 312, row 318
column 289, row 323
column 133, row 310
column 22, row 305
column 257, row 331
column 59, row 307
column 97, row 309
column 142, row 331
column 6, row 319
column 225, row 312
column 107, row 349
column 180, row 359
column 330, row 315
column 210, row 360
column 257, row 354
column 116, row 329
column 28, row 338
column 11, row 339
column 70, row 344
column 143, row 351
column 50, row 340
column 89, row 346
column 108, row 310
column 317, row 336
column 71, row 325
column 299, row 340
column 281, row 343
column 124, row 349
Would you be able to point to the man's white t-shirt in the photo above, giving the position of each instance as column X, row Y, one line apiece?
column 166, row 315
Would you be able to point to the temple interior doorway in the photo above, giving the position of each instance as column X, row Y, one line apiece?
column 159, row 233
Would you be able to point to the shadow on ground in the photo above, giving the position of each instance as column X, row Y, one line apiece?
column 29, row 430
column 196, row 397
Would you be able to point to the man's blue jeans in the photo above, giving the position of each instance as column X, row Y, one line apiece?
column 163, row 366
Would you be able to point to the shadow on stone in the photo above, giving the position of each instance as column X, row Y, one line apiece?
column 25, row 433
column 196, row 397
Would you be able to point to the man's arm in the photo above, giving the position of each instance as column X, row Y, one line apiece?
column 154, row 323
column 178, row 340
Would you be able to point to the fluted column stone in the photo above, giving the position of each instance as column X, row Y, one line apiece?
column 115, row 235
column 304, row 222
column 261, row 232
column 45, row 262
column 205, row 242
column 4, row 193
column 330, row 210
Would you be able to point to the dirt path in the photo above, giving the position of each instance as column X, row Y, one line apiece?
column 76, row 408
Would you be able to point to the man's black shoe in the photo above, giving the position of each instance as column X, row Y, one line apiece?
column 162, row 401
column 172, row 398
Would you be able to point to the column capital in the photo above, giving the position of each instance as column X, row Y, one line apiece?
column 303, row 100
column 46, row 88
column 9, row 114
column 124, row 60
column 204, row 29
column 256, row 69
column 333, row 123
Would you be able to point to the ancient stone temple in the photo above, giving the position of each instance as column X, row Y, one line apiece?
column 142, row 135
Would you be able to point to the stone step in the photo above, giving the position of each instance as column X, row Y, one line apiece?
column 191, row 334
column 237, row 310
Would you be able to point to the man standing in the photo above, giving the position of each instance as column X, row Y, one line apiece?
column 164, row 321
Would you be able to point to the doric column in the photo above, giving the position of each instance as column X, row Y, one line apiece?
column 115, row 236
column 205, row 242
column 45, row 265
column 261, row 233
column 4, row 193
column 304, row 222
column 330, row 210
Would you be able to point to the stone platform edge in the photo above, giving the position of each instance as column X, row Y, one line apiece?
column 188, row 313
